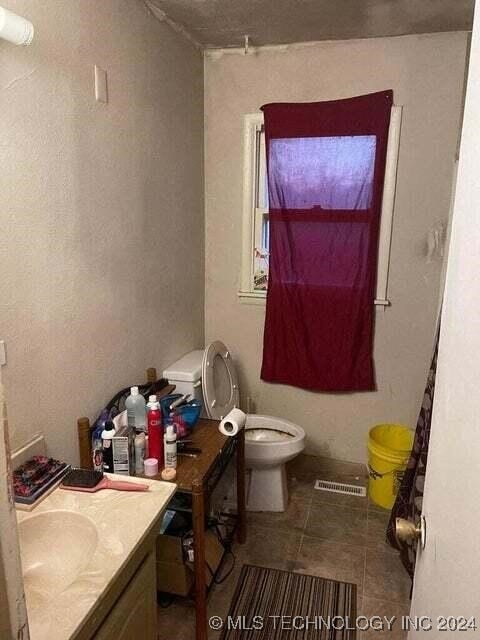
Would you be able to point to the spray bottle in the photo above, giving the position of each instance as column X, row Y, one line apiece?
column 155, row 435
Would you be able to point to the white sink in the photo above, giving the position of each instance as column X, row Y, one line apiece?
column 56, row 546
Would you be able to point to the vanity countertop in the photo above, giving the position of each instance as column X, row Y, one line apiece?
column 112, row 526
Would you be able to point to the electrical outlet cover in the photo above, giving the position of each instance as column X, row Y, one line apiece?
column 101, row 93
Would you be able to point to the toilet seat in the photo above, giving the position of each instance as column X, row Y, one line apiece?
column 262, row 431
column 264, row 434
column 220, row 382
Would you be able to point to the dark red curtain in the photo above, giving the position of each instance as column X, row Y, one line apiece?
column 326, row 166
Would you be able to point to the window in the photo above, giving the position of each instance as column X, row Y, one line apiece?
column 355, row 172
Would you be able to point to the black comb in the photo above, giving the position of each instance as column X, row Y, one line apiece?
column 86, row 478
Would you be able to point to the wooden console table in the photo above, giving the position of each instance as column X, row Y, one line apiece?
column 198, row 476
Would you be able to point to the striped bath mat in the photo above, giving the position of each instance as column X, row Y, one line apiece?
column 270, row 604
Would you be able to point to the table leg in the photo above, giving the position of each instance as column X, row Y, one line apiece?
column 198, row 508
column 241, row 506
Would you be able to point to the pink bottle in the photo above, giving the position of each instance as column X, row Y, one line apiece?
column 155, row 430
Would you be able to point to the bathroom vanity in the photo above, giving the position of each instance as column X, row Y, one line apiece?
column 89, row 563
column 129, row 609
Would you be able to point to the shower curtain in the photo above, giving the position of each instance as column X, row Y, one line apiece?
column 409, row 500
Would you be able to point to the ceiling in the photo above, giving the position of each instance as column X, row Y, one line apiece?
column 224, row 23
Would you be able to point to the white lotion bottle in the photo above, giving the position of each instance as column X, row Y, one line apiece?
column 170, row 448
column 139, row 452
column 136, row 411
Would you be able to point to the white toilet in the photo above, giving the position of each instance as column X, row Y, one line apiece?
column 209, row 375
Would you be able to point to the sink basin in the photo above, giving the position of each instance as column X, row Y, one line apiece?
column 55, row 547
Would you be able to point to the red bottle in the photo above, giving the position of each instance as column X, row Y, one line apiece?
column 155, row 430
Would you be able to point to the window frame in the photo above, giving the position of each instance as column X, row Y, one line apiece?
column 252, row 214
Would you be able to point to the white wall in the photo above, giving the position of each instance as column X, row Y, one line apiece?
column 447, row 570
column 101, row 246
column 13, row 610
column 426, row 74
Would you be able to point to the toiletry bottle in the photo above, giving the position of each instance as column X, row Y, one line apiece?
column 135, row 405
column 107, row 438
column 97, row 449
column 139, row 452
column 170, row 447
column 155, row 431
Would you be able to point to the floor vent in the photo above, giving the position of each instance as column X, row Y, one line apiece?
column 341, row 487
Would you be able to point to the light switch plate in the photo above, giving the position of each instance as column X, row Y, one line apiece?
column 3, row 353
column 101, row 93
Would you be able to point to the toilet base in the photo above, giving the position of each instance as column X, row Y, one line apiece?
column 267, row 489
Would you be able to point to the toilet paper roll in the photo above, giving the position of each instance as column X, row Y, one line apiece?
column 233, row 422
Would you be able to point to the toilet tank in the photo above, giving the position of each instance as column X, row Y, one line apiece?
column 186, row 374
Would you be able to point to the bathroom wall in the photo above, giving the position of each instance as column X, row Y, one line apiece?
column 101, row 244
column 13, row 611
column 427, row 76
column 5, row 628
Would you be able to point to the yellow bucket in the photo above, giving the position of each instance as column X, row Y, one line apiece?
column 389, row 447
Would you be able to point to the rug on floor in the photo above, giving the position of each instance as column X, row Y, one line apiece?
column 271, row 604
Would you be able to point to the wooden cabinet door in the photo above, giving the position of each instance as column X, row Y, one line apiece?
column 134, row 615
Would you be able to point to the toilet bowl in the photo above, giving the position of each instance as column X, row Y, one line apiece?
column 209, row 375
column 269, row 444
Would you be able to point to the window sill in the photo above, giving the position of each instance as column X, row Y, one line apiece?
column 259, row 298
column 252, row 297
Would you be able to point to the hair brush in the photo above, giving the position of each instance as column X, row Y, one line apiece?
column 92, row 481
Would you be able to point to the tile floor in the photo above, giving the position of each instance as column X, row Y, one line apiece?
column 330, row 535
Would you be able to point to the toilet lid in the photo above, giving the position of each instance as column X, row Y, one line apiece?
column 220, row 383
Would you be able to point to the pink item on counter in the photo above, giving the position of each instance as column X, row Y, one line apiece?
column 150, row 467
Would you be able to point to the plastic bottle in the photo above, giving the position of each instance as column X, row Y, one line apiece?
column 155, row 434
column 139, row 452
column 135, row 405
column 107, row 437
column 170, row 444
column 170, row 448
column 97, row 449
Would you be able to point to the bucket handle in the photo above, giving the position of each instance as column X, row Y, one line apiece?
column 375, row 475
